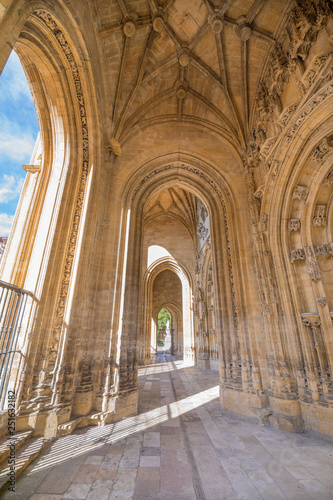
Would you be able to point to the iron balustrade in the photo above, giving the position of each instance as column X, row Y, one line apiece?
column 13, row 301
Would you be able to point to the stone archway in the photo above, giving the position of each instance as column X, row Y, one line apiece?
column 187, row 310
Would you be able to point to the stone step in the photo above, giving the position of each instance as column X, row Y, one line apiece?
column 23, row 457
column 20, row 439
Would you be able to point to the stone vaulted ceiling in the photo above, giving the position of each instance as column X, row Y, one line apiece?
column 174, row 202
column 196, row 61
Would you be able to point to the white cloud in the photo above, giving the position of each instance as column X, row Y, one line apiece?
column 17, row 146
column 17, row 85
column 6, row 222
column 10, row 188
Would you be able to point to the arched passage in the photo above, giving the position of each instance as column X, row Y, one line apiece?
column 151, row 307
column 237, row 350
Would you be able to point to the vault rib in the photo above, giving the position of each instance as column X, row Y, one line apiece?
column 172, row 35
column 153, row 6
column 224, row 78
column 244, row 77
column 120, row 78
column 213, row 108
column 123, row 7
column 139, row 78
column 254, row 10
column 199, row 36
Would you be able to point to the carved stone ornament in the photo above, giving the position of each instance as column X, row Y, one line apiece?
column 300, row 192
column 202, row 231
column 305, row 21
column 260, row 192
column 329, row 178
column 325, row 248
column 275, row 166
column 321, row 152
column 311, row 320
column 287, row 113
column 158, row 23
column 294, row 225
column 243, row 29
column 216, row 24
column 264, row 222
column 312, row 72
column 129, row 29
column 297, row 254
column 184, row 57
column 321, row 301
column 319, row 218
column 312, row 263
column 316, row 100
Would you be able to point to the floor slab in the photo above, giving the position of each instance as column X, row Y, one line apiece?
column 180, row 447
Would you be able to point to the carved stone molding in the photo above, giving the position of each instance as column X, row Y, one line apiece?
column 329, row 178
column 274, row 167
column 321, row 301
column 300, row 192
column 297, row 254
column 325, row 248
column 260, row 192
column 305, row 21
column 318, row 99
column 264, row 222
column 313, row 70
column 312, row 263
column 294, row 225
column 287, row 114
column 57, row 326
column 319, row 218
column 321, row 152
column 311, row 320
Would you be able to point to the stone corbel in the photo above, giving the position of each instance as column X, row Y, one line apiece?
column 300, row 192
column 319, row 218
column 294, row 225
column 312, row 263
column 321, row 301
column 32, row 169
column 312, row 320
column 297, row 254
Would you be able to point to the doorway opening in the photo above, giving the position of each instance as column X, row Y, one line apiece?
column 164, row 332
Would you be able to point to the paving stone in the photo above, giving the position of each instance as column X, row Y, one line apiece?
column 77, row 491
column 100, row 489
column 153, row 461
column 86, row 474
column 225, row 458
column 125, row 479
column 94, row 459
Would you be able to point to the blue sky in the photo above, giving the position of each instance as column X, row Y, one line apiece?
column 18, row 134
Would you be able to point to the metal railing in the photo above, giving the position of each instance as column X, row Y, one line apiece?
column 12, row 306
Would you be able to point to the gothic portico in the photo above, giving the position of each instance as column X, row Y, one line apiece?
column 184, row 161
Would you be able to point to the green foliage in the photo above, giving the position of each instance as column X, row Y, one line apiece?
column 163, row 317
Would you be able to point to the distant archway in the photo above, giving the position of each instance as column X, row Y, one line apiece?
column 185, row 345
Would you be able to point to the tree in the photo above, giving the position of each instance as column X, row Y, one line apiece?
column 163, row 317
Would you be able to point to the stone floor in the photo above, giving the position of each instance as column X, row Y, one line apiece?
column 180, row 447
